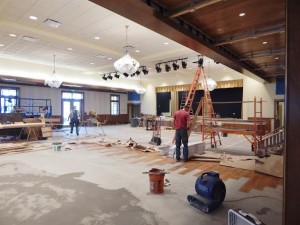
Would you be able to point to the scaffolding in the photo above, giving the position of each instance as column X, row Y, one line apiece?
column 211, row 127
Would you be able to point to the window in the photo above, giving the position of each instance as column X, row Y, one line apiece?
column 8, row 100
column 71, row 95
column 115, row 104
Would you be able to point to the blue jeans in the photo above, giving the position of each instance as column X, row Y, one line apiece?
column 74, row 123
column 181, row 136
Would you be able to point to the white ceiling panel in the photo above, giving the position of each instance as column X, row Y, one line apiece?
column 81, row 22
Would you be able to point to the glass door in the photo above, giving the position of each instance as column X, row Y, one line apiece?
column 66, row 111
column 69, row 100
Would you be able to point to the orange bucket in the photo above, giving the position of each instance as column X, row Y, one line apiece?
column 156, row 182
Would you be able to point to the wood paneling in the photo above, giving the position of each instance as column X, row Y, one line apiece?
column 113, row 119
column 292, row 155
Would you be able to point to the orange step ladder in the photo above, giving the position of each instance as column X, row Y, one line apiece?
column 191, row 95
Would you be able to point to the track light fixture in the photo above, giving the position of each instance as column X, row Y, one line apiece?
column 158, row 69
column 174, row 64
column 167, row 67
column 117, row 75
column 199, row 61
column 184, row 63
column 144, row 70
column 110, row 76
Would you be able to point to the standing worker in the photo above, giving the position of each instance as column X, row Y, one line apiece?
column 74, row 119
column 182, row 123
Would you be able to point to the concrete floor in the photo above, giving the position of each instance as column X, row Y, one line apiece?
column 91, row 187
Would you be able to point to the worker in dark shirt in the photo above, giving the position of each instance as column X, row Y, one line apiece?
column 74, row 119
column 181, row 124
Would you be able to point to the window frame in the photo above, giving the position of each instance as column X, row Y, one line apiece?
column 118, row 104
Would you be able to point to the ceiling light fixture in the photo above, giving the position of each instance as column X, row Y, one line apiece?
column 52, row 80
column 184, row 63
column 242, row 14
column 33, row 17
column 167, row 67
column 110, row 76
column 117, row 75
column 158, row 69
column 140, row 89
column 144, row 70
column 208, row 82
column 137, row 72
column 126, row 64
column 175, row 66
column 104, row 77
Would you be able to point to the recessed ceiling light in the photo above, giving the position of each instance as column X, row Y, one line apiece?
column 1, row 45
column 242, row 14
column 265, row 42
column 220, row 29
column 137, row 50
column 276, row 57
column 12, row 35
column 109, row 58
column 96, row 38
column 70, row 49
column 92, row 63
column 166, row 43
column 149, row 68
column 33, row 17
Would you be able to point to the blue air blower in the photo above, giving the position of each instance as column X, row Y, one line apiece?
column 210, row 191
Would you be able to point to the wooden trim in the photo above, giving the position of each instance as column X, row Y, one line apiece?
column 186, row 87
column 291, row 202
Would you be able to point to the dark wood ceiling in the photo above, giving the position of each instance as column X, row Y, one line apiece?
column 252, row 43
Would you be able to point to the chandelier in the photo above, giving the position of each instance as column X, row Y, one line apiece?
column 52, row 80
column 126, row 64
column 208, row 82
column 211, row 84
column 140, row 89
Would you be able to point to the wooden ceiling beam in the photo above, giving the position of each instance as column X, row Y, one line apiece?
column 258, row 54
column 279, row 28
column 193, row 6
column 270, row 65
column 151, row 15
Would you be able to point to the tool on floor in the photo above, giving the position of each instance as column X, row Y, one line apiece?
column 156, row 137
column 240, row 217
column 210, row 191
